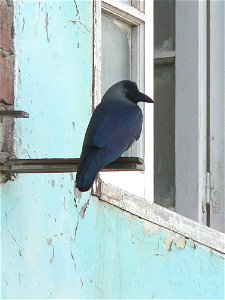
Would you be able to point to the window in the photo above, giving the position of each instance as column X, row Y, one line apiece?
column 189, row 109
column 123, row 37
column 189, row 98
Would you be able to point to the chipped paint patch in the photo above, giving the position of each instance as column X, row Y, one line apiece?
column 169, row 243
column 192, row 244
column 150, row 228
column 180, row 243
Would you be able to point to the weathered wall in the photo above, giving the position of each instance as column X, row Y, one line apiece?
column 51, row 246
column 53, row 69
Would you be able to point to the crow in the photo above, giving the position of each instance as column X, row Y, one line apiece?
column 114, row 126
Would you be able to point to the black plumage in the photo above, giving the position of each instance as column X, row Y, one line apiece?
column 114, row 126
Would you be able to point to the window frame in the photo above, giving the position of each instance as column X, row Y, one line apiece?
column 199, row 110
column 197, row 173
column 216, row 115
column 190, row 106
column 135, row 16
column 191, row 109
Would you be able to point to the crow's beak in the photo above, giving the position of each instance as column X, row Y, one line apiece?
column 145, row 98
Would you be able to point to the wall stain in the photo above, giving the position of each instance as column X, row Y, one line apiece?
column 72, row 256
column 82, row 284
column 169, row 243
column 53, row 255
column 71, row 177
column 49, row 241
column 23, row 25
column 192, row 244
column 46, row 26
column 75, row 231
column 6, row 218
column 19, row 277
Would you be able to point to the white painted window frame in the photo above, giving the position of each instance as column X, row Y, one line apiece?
column 200, row 110
column 190, row 107
column 142, row 74
column 216, row 116
column 195, row 187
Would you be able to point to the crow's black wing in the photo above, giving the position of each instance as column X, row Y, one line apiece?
column 113, row 128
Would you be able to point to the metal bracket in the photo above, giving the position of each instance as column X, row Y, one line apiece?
column 14, row 114
column 64, row 165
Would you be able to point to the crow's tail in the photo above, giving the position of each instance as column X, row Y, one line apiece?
column 88, row 168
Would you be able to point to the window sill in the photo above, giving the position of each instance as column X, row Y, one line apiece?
column 159, row 215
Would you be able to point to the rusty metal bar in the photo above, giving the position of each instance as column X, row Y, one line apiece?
column 63, row 165
column 14, row 114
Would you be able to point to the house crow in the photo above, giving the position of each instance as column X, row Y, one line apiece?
column 114, row 126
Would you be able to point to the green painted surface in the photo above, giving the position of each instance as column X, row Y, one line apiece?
column 52, row 248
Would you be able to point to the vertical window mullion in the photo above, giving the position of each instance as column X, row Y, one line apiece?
column 190, row 111
column 217, row 113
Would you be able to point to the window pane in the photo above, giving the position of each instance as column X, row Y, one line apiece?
column 116, row 52
column 164, row 25
column 164, row 136
column 125, row 1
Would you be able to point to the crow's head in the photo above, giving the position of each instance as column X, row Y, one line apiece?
column 131, row 92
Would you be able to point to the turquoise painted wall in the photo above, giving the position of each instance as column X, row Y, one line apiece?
column 51, row 246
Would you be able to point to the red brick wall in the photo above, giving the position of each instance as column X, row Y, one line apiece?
column 6, row 53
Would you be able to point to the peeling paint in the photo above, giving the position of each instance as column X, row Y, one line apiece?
column 192, row 244
column 180, row 243
column 150, row 228
column 169, row 243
